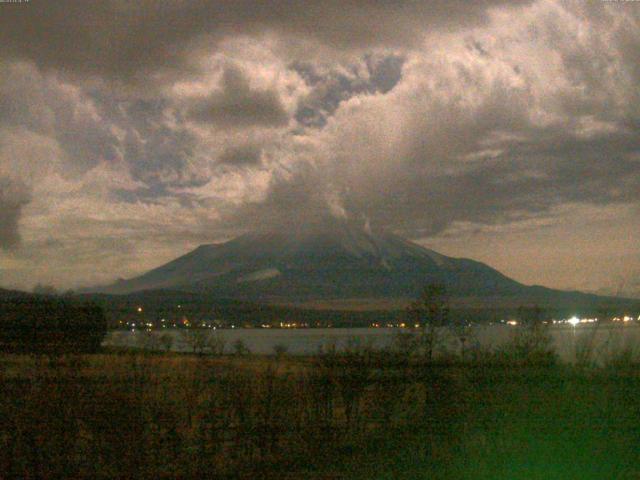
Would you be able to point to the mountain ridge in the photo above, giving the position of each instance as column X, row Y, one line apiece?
column 333, row 264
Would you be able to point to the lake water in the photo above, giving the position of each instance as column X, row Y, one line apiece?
column 604, row 340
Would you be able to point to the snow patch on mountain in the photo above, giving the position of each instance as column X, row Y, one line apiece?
column 263, row 274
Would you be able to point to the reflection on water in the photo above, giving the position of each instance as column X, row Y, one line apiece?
column 601, row 340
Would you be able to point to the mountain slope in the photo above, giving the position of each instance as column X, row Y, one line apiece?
column 337, row 262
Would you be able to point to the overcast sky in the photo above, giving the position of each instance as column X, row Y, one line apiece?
column 508, row 132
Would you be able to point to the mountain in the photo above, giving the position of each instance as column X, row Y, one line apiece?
column 338, row 263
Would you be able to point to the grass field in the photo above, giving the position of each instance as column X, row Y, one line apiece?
column 358, row 414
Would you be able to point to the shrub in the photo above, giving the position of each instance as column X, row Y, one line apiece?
column 240, row 348
column 529, row 346
column 166, row 340
column 280, row 350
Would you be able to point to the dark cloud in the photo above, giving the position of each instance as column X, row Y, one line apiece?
column 526, row 179
column 13, row 197
column 325, row 97
column 331, row 89
column 164, row 157
column 244, row 155
column 236, row 104
column 384, row 72
column 123, row 40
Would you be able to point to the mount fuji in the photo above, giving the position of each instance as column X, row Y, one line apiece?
column 337, row 262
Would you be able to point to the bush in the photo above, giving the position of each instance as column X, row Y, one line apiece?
column 529, row 346
column 280, row 350
column 166, row 340
column 240, row 348
column 216, row 343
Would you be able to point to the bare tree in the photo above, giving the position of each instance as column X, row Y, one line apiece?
column 166, row 340
column 195, row 338
column 431, row 312
column 532, row 341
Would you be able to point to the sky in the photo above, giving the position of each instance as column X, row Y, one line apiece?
column 507, row 132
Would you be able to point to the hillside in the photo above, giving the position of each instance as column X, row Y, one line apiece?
column 339, row 264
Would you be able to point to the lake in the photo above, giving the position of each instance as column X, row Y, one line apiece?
column 603, row 339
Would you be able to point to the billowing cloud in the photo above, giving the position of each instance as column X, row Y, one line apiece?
column 136, row 130
column 486, row 129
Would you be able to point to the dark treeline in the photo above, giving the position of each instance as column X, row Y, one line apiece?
column 175, row 306
column 50, row 324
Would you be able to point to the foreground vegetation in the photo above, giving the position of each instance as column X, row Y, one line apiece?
column 360, row 413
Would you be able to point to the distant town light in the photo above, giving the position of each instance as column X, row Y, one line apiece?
column 574, row 321
column 139, row 309
column 512, row 322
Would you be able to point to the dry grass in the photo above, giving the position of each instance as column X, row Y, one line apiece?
column 357, row 414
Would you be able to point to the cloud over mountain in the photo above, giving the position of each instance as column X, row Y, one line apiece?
column 176, row 123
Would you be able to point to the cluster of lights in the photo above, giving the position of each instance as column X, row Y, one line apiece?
column 133, row 325
column 394, row 325
column 626, row 318
column 293, row 325
column 573, row 321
